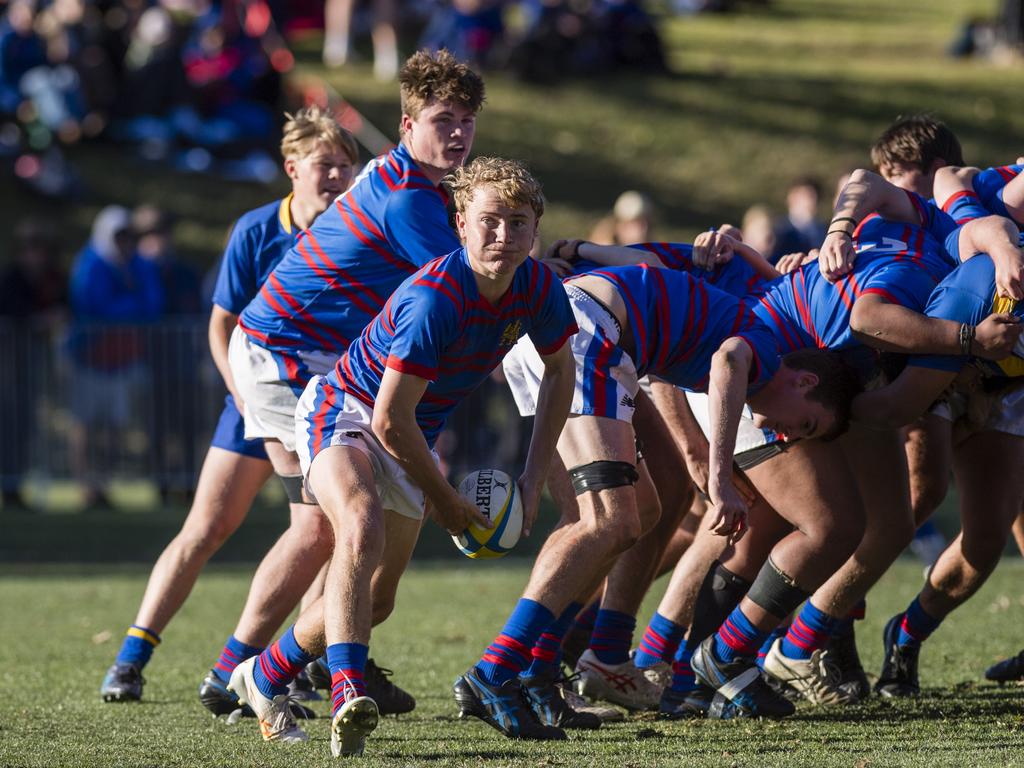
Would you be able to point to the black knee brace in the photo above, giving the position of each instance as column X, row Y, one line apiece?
column 776, row 591
column 721, row 591
column 293, row 488
column 599, row 475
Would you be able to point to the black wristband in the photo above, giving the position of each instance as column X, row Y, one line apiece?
column 575, row 255
column 840, row 232
column 844, row 218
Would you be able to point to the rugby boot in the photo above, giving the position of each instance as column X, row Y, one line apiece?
column 123, row 682
column 390, row 699
column 685, row 705
column 277, row 723
column 608, row 714
column 841, row 651
column 504, row 707
column 815, row 678
column 301, row 689
column 550, row 705
column 215, row 696
column 319, row 673
column 352, row 723
column 899, row 669
column 624, row 684
column 740, row 690
column 1007, row 670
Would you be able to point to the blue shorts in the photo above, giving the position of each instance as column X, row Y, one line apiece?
column 230, row 433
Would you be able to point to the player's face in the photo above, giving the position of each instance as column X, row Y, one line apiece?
column 498, row 237
column 787, row 410
column 441, row 136
column 320, row 176
column 909, row 178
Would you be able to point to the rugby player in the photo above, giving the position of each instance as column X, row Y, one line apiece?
column 366, row 430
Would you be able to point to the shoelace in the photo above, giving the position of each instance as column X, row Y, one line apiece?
column 282, row 719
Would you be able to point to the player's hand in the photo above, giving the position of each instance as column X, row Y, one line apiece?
column 836, row 256
column 996, row 336
column 729, row 512
column 1009, row 264
column 531, row 490
column 560, row 267
column 563, row 248
column 711, row 249
column 456, row 513
column 791, row 262
column 730, row 230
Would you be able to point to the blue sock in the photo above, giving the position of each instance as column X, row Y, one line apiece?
column 612, row 636
column 917, row 625
column 348, row 663
column 233, row 654
column 808, row 633
column 512, row 650
column 279, row 664
column 547, row 652
column 769, row 641
column 683, row 679
column 738, row 637
column 137, row 646
column 659, row 642
column 844, row 626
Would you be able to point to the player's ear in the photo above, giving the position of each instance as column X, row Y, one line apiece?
column 291, row 168
column 405, row 123
column 806, row 381
column 460, row 225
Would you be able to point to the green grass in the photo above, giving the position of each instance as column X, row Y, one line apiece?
column 755, row 99
column 63, row 624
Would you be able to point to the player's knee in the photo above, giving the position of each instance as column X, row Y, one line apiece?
column 649, row 515
column 983, row 549
column 623, row 532
column 383, row 605
column 927, row 497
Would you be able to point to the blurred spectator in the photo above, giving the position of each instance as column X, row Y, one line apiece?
column 759, row 229
column 338, row 36
column 173, row 352
column 33, row 300
column 21, row 50
column 473, row 30
column 114, row 291
column 800, row 229
column 631, row 221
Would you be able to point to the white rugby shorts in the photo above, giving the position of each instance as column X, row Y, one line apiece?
column 270, row 383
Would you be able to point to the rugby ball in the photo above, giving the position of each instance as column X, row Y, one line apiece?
column 497, row 496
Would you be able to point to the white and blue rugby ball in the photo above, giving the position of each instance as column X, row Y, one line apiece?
column 497, row 496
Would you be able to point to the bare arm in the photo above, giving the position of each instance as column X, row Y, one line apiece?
column 394, row 424
column 1013, row 198
column 894, row 328
column 998, row 237
column 903, row 401
column 553, row 401
column 671, row 403
column 222, row 324
column 713, row 248
column 864, row 193
column 727, row 391
column 560, row 255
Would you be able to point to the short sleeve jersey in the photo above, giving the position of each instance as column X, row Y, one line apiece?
column 900, row 262
column 259, row 240
column 735, row 277
column 679, row 322
column 968, row 295
column 438, row 327
column 340, row 271
column 989, row 185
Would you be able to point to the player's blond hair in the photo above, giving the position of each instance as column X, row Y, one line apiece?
column 514, row 184
column 311, row 126
column 441, row 77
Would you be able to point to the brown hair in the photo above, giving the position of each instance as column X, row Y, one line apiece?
column 838, row 383
column 918, row 141
column 311, row 126
column 514, row 184
column 441, row 77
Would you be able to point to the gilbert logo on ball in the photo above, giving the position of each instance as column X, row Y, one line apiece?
column 497, row 496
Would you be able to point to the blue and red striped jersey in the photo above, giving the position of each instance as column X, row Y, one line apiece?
column 340, row 271
column 900, row 262
column 678, row 322
column 989, row 184
column 437, row 326
column 735, row 277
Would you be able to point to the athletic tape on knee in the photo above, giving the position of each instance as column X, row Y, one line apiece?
column 293, row 488
column 776, row 591
column 599, row 475
column 720, row 592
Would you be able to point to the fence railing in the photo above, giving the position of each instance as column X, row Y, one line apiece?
column 100, row 402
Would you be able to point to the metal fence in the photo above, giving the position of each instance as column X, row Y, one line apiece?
column 102, row 402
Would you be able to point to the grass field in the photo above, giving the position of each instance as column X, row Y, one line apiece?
column 63, row 624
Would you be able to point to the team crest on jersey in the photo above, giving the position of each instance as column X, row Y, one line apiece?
column 511, row 333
